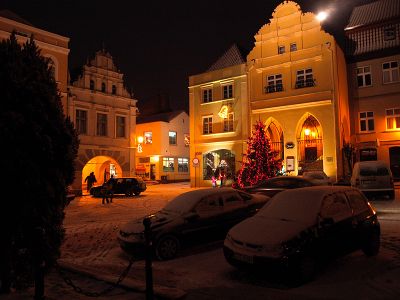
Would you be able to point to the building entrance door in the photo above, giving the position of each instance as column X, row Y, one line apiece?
column 311, row 154
column 152, row 171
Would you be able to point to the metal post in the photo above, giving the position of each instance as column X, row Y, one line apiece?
column 149, row 253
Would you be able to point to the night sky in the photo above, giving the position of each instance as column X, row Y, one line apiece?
column 158, row 44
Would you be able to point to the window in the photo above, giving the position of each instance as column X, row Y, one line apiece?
column 102, row 124
column 228, row 123
column 207, row 96
column 103, row 87
column 364, row 76
column 390, row 71
column 336, row 207
column 293, row 47
column 393, row 118
column 186, row 138
column 148, row 137
column 281, row 49
column 183, row 165
column 367, row 121
column 357, row 202
column 172, row 137
column 168, row 164
column 207, row 125
column 81, row 121
column 114, row 90
column 274, row 83
column 120, row 127
column 304, row 78
column 91, row 85
column 389, row 34
column 228, row 91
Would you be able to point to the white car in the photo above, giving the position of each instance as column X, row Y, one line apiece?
column 317, row 177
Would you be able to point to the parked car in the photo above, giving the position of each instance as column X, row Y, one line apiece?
column 373, row 177
column 297, row 229
column 124, row 185
column 318, row 177
column 198, row 215
column 275, row 185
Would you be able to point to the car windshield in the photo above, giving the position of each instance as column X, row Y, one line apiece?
column 300, row 206
column 373, row 171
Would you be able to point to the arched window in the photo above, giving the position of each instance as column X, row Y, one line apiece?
column 114, row 89
column 103, row 87
column 91, row 85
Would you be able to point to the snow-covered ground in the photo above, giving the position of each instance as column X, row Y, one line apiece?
column 203, row 272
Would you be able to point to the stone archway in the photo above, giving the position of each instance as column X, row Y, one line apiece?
column 310, row 145
column 275, row 134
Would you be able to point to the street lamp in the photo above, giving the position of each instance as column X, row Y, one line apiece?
column 322, row 15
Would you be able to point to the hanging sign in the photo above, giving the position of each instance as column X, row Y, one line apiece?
column 289, row 145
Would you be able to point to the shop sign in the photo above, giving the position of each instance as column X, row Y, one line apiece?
column 289, row 145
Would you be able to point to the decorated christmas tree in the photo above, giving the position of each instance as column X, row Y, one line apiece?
column 260, row 162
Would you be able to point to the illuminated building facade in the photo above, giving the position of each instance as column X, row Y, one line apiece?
column 373, row 50
column 104, row 114
column 293, row 80
column 163, row 146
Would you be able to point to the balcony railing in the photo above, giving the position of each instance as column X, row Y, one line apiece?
column 305, row 83
column 272, row 88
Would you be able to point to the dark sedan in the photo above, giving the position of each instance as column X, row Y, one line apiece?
column 275, row 185
column 194, row 216
column 300, row 228
column 124, row 185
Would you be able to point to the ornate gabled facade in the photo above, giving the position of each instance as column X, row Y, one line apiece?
column 104, row 114
column 294, row 80
column 373, row 50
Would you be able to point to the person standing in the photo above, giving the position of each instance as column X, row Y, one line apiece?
column 90, row 179
column 214, row 181
column 222, row 177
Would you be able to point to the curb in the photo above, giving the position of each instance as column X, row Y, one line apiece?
column 163, row 292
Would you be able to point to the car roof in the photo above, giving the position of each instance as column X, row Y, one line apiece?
column 315, row 192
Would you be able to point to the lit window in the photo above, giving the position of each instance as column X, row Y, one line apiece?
column 168, row 164
column 207, row 125
column 364, row 77
column 183, row 165
column 228, row 123
column 367, row 121
column 81, row 121
column 228, row 91
column 172, row 137
column 102, row 124
column 390, row 71
column 293, row 47
column 148, row 137
column 120, row 126
column 207, row 95
column 393, row 119
column 304, row 78
column 91, row 85
column 281, row 49
column 186, row 137
column 274, row 83
column 103, row 87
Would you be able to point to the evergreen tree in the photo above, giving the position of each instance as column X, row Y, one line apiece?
column 259, row 163
column 39, row 146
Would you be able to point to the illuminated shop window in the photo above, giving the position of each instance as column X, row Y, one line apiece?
column 393, row 119
column 183, row 165
column 215, row 162
column 148, row 137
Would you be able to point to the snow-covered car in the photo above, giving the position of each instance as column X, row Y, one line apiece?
column 298, row 229
column 199, row 215
column 275, row 185
column 317, row 177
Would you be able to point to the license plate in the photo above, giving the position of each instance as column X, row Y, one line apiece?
column 244, row 258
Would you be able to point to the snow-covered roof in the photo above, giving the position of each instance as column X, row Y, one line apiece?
column 374, row 12
column 232, row 57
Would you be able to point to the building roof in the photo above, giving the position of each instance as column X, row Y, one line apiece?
column 232, row 57
column 5, row 13
column 161, row 117
column 378, row 11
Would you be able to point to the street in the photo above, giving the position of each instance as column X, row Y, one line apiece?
column 202, row 271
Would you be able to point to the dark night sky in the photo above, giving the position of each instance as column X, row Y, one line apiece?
column 158, row 44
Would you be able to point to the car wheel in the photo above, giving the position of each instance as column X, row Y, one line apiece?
column 372, row 244
column 167, row 247
column 136, row 193
column 128, row 193
column 304, row 270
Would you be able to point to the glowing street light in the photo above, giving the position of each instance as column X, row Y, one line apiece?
column 322, row 15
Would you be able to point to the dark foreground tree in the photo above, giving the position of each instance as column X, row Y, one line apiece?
column 259, row 163
column 39, row 145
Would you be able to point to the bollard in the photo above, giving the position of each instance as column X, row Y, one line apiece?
column 38, row 263
column 149, row 253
